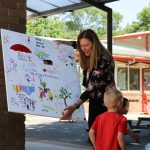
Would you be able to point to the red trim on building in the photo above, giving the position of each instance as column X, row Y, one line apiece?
column 131, row 58
column 131, row 36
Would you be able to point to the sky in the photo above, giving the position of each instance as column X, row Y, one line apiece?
column 129, row 9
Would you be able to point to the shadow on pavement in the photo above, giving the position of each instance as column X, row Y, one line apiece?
column 74, row 133
column 68, row 132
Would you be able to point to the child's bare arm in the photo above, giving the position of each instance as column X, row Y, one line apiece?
column 132, row 134
column 92, row 136
column 121, row 141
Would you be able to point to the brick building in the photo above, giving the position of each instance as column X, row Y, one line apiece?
column 12, row 127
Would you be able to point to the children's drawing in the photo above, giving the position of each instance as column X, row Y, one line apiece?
column 48, row 62
column 41, row 77
column 20, row 47
column 64, row 94
column 27, row 89
column 40, row 54
column 44, row 92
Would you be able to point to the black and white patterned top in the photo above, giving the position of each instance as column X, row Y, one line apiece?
column 98, row 80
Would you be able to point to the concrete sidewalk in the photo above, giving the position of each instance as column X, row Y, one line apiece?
column 45, row 133
column 53, row 145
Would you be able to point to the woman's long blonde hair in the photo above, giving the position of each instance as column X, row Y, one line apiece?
column 98, row 50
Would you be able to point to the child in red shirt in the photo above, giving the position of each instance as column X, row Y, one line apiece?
column 133, row 133
column 107, row 132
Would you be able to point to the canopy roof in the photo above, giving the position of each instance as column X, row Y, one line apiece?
column 43, row 8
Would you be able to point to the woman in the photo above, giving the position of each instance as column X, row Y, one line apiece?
column 98, row 71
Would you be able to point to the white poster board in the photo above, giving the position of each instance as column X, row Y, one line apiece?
column 41, row 76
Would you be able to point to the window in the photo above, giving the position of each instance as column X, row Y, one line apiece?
column 147, row 80
column 122, row 78
column 134, row 83
column 128, row 81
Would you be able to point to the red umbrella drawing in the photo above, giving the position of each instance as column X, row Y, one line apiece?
column 20, row 48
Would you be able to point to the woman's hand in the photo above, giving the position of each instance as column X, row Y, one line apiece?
column 58, row 42
column 68, row 112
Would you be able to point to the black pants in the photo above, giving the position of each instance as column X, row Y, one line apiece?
column 95, row 109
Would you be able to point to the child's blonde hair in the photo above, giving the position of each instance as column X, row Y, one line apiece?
column 112, row 97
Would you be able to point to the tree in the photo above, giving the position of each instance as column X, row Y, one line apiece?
column 48, row 27
column 93, row 18
column 144, row 19
column 134, row 27
column 83, row 18
column 117, row 18
column 64, row 94
column 69, row 25
column 116, row 29
column 142, row 23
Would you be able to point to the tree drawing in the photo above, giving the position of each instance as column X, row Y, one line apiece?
column 44, row 85
column 64, row 94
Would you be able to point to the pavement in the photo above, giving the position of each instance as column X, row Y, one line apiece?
column 52, row 145
column 46, row 133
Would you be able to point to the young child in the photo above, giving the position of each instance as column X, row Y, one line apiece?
column 107, row 132
column 133, row 133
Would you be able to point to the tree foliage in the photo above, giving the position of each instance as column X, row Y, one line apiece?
column 69, row 25
column 48, row 27
column 144, row 19
column 142, row 23
column 93, row 18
